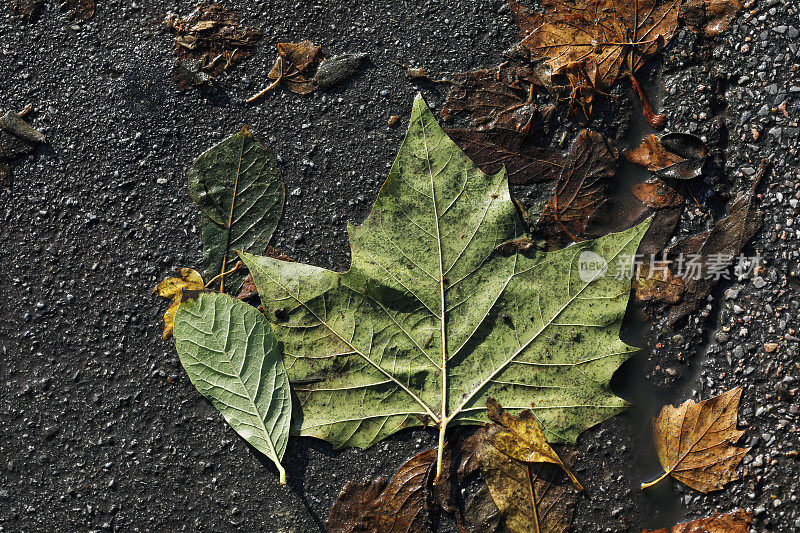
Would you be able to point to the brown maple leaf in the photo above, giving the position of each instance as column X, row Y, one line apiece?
column 581, row 189
column 696, row 442
column 587, row 45
column 296, row 66
column 737, row 521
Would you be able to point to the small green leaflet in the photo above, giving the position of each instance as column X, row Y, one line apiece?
column 431, row 317
column 232, row 357
column 238, row 187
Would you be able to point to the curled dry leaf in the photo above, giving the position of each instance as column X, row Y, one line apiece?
column 407, row 504
column 494, row 149
column 187, row 280
column 709, row 17
column 213, row 36
column 675, row 155
column 587, row 45
column 696, row 442
column 722, row 243
column 581, row 189
column 521, row 438
column 486, row 323
column 737, row 521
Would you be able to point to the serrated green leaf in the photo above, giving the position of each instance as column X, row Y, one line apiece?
column 232, row 357
column 238, row 187
column 431, row 317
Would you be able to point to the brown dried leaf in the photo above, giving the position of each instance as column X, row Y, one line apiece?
column 78, row 9
column 405, row 505
column 522, row 438
column 495, row 99
column 696, row 442
column 494, row 149
column 581, row 188
column 709, row 17
column 675, row 155
column 737, row 521
column 590, row 44
column 726, row 239
column 661, row 286
column 213, row 36
column 657, row 194
column 173, row 288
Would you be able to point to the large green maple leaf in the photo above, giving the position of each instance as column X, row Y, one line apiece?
column 432, row 316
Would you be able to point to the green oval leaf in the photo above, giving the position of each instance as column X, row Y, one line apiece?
column 238, row 188
column 232, row 357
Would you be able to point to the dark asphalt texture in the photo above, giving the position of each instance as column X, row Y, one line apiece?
column 100, row 429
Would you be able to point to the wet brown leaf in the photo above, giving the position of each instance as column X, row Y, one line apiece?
column 653, row 198
column 494, row 149
column 696, row 442
column 657, row 286
column 709, row 17
column 78, row 9
column 187, row 280
column 522, row 438
column 675, row 155
column 725, row 240
column 737, row 521
column 406, row 504
column 495, row 100
column 529, row 497
column 588, row 45
column 581, row 189
column 213, row 36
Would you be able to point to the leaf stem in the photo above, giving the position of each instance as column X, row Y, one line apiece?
column 281, row 473
column 440, row 451
column 651, row 483
column 532, row 490
column 263, row 91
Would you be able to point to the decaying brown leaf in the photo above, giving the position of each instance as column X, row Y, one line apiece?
column 522, row 438
column 717, row 247
column 296, row 65
column 737, row 521
column 581, row 189
column 652, row 285
column 530, row 497
column 176, row 289
column 213, row 36
column 26, row 9
column 496, row 100
column 709, row 17
column 494, row 149
column 675, row 155
column 696, row 442
column 78, row 9
column 588, row 45
column 406, row 504
column 653, row 198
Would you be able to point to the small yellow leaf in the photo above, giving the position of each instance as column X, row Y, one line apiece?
column 522, row 438
column 173, row 288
